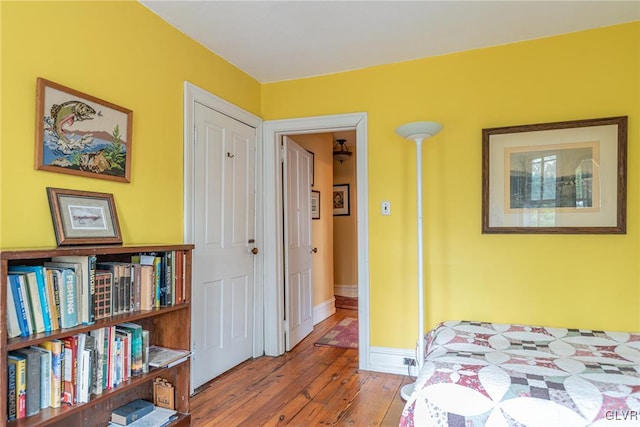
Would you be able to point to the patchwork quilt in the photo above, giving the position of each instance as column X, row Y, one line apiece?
column 488, row 374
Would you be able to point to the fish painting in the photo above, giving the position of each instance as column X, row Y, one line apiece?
column 81, row 134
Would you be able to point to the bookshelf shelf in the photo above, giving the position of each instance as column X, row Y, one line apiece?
column 168, row 326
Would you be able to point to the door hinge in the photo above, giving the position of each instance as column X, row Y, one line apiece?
column 285, row 325
column 283, row 153
column 195, row 134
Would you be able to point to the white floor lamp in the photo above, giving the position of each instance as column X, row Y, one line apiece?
column 418, row 131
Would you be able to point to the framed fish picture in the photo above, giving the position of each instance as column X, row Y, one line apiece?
column 80, row 134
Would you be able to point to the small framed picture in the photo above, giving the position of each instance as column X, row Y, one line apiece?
column 312, row 167
column 341, row 200
column 83, row 217
column 315, row 204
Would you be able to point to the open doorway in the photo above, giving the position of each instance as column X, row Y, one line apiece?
column 272, row 196
column 334, row 226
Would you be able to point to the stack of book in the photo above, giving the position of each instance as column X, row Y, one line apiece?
column 140, row 413
column 72, row 290
column 70, row 369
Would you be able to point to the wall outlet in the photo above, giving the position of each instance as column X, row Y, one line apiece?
column 407, row 361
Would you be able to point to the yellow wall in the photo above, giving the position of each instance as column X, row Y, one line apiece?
column 124, row 54
column 322, row 229
column 565, row 280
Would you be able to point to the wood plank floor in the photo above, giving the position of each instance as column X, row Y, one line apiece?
column 308, row 386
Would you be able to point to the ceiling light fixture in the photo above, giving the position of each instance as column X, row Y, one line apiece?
column 341, row 151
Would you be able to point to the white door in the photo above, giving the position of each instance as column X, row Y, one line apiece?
column 297, row 235
column 224, row 233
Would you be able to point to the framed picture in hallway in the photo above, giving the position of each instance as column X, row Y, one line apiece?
column 315, row 204
column 341, row 199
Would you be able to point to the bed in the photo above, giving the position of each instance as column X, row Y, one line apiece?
column 489, row 374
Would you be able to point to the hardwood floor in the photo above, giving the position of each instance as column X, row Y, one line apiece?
column 308, row 386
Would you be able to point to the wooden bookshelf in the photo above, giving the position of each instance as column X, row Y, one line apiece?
column 169, row 327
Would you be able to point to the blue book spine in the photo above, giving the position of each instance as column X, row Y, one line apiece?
column 21, row 309
column 42, row 292
column 69, row 300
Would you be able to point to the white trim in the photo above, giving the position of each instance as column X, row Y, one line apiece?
column 193, row 94
column 324, row 310
column 350, row 291
column 390, row 360
column 273, row 211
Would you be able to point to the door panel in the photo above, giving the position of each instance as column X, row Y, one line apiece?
column 298, row 283
column 224, row 218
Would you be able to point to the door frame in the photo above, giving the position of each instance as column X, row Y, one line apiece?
column 273, row 130
column 193, row 94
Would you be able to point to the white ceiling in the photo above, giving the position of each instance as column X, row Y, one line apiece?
column 283, row 40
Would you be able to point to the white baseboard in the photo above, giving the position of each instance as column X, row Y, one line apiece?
column 324, row 310
column 350, row 291
column 390, row 360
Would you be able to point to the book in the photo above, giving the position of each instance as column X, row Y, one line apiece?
column 162, row 357
column 23, row 310
column 159, row 417
column 57, row 371
column 68, row 290
column 51, row 293
column 145, row 351
column 125, row 353
column 82, row 339
column 70, row 369
column 14, row 327
column 40, row 288
column 84, row 377
column 21, row 383
column 98, row 360
column 92, row 376
column 147, row 286
column 132, row 411
column 31, row 288
column 32, row 358
column 136, row 278
column 46, row 374
column 84, row 285
column 11, row 392
column 136, row 346
column 102, row 295
column 117, row 280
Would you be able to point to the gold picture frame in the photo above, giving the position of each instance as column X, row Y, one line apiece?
column 83, row 217
column 80, row 134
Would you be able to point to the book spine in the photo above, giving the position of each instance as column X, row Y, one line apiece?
column 33, row 380
column 57, row 371
column 11, row 392
column 45, row 377
column 92, row 261
column 21, row 309
column 157, row 263
column 34, row 301
column 21, row 384
column 56, row 278
column 136, row 273
column 70, row 294
column 70, row 369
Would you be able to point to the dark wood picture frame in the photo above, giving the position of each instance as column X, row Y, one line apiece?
column 563, row 177
column 340, row 200
column 313, row 167
column 80, row 134
column 83, row 217
column 315, row 204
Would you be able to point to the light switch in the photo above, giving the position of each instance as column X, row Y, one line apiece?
column 386, row 207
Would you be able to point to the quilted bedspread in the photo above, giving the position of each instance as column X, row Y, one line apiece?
column 487, row 374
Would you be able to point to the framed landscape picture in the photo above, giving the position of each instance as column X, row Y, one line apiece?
column 563, row 177
column 80, row 134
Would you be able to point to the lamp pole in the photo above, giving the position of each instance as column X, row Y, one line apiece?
column 418, row 131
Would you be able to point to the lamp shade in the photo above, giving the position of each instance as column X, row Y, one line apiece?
column 341, row 151
column 416, row 130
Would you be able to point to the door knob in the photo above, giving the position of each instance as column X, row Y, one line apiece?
column 254, row 251
column 314, row 250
